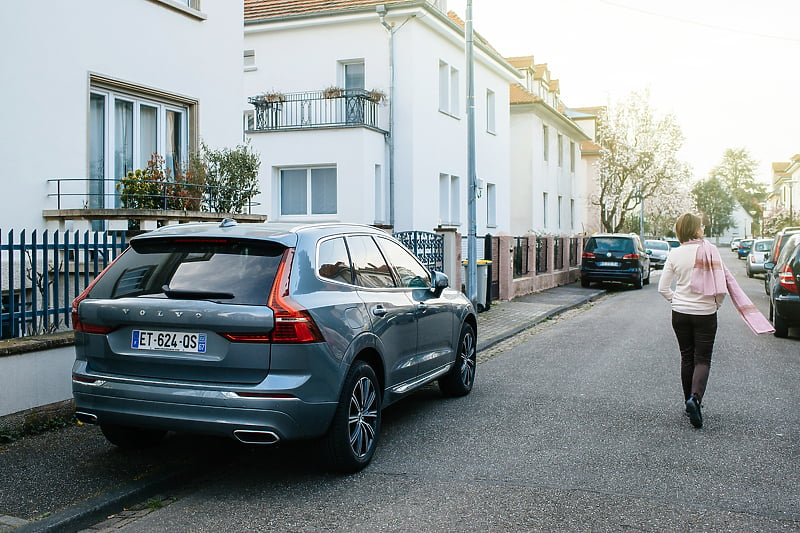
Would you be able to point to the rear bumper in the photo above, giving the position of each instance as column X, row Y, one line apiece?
column 297, row 399
column 788, row 308
column 624, row 276
column 289, row 419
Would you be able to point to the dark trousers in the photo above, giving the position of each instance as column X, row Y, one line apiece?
column 695, row 335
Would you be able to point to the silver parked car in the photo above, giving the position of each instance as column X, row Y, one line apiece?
column 759, row 254
column 657, row 251
column 264, row 335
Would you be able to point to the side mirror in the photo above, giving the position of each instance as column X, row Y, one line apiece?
column 439, row 282
column 649, row 252
column 769, row 265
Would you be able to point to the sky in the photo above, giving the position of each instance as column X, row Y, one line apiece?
column 729, row 70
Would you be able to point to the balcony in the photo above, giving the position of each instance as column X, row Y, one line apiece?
column 331, row 108
column 154, row 203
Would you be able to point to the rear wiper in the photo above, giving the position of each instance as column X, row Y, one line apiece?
column 196, row 294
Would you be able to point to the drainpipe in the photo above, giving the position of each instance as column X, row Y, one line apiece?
column 381, row 10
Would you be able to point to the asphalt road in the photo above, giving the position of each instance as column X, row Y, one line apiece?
column 576, row 426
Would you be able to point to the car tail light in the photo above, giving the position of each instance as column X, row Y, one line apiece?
column 587, row 255
column 752, row 259
column 293, row 323
column 77, row 323
column 635, row 257
column 786, row 278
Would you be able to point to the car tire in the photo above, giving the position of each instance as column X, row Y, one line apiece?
column 781, row 327
column 585, row 283
column 647, row 281
column 459, row 380
column 749, row 272
column 638, row 283
column 130, row 438
column 353, row 435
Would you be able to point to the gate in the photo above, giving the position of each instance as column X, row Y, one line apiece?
column 428, row 247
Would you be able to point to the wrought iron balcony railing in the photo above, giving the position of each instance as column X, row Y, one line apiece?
column 317, row 109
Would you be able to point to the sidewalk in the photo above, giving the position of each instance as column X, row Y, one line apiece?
column 505, row 319
column 71, row 478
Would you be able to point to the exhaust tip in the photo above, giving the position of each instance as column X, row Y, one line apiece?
column 86, row 418
column 250, row 436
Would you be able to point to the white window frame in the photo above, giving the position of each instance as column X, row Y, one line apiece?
column 343, row 64
column 546, row 142
column 560, row 206
column 308, row 215
column 491, row 205
column 544, row 210
column 571, row 213
column 449, row 200
column 111, row 95
column 449, row 86
column 491, row 112
column 572, row 152
column 560, row 150
column 249, row 60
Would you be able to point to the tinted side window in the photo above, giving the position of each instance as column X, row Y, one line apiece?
column 245, row 270
column 369, row 266
column 406, row 267
column 787, row 251
column 334, row 262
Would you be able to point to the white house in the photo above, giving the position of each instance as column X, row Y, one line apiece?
column 548, row 174
column 92, row 89
column 784, row 198
column 387, row 144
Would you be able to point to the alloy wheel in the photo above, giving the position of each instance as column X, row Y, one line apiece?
column 467, row 358
column 363, row 417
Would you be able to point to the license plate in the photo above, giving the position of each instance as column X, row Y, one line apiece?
column 172, row 341
column 607, row 264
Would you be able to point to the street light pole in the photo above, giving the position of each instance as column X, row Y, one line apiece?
column 472, row 188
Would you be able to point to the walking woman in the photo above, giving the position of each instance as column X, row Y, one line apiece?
column 694, row 315
column 701, row 283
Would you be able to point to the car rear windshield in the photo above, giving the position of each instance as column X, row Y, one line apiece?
column 656, row 245
column 610, row 244
column 223, row 270
column 763, row 246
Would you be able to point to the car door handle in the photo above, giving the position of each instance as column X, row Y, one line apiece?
column 422, row 306
column 379, row 310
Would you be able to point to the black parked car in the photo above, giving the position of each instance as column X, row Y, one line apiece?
column 783, row 278
column 615, row 257
column 777, row 245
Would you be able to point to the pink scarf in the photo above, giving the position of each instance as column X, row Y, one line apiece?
column 711, row 277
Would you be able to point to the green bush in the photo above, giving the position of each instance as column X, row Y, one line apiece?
column 231, row 177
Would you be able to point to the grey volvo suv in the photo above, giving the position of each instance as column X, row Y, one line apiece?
column 266, row 335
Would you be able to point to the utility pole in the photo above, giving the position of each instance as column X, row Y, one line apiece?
column 472, row 187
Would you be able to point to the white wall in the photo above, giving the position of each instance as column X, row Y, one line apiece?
column 427, row 142
column 34, row 379
column 353, row 151
column 533, row 176
column 49, row 49
column 431, row 142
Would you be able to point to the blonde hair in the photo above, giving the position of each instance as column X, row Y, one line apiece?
column 687, row 227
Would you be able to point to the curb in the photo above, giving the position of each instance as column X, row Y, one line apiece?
column 550, row 314
column 99, row 508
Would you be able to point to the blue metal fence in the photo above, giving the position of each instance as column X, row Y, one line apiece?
column 42, row 274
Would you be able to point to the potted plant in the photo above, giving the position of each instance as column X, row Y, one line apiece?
column 332, row 92
column 377, row 96
column 271, row 99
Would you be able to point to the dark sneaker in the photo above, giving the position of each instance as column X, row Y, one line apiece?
column 693, row 409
